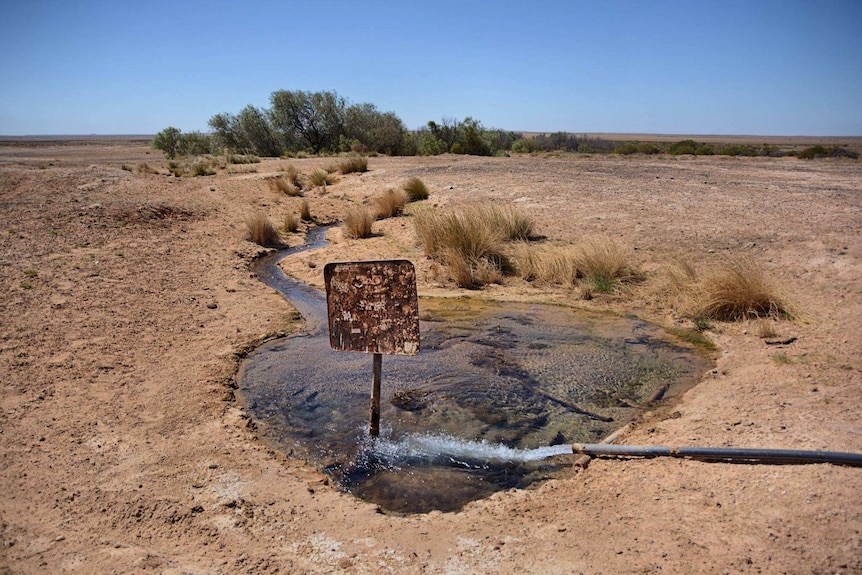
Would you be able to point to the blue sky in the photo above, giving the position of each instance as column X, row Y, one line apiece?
column 677, row 67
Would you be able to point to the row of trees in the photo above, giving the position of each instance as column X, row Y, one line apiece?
column 324, row 122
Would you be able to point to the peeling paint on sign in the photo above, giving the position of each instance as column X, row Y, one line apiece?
column 373, row 306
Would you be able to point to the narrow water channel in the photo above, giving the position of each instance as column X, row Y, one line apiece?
column 481, row 408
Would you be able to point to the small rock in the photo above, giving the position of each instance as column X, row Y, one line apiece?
column 212, row 305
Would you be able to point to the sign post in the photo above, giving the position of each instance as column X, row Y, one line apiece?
column 373, row 308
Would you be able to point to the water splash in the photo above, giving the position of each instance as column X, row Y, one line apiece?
column 429, row 447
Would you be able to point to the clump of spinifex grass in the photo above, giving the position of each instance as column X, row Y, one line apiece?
column 262, row 231
column 353, row 164
column 358, row 223
column 305, row 211
column 602, row 262
column 735, row 290
column 390, row 204
column 321, row 178
column 467, row 241
column 291, row 222
column 546, row 265
column 415, row 189
column 284, row 186
column 512, row 222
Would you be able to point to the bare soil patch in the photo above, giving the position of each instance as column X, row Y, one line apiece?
column 128, row 303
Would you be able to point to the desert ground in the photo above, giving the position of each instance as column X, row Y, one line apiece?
column 128, row 303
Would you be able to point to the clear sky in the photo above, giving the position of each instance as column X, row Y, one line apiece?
column 770, row 67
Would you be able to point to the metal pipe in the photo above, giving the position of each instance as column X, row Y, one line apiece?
column 727, row 454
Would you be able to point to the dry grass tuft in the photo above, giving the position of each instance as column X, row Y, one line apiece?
column 390, row 204
column 261, row 231
column 292, row 175
column 415, row 189
column 284, row 186
column 467, row 241
column 353, row 164
column 603, row 262
column 512, row 222
column 305, row 211
column 546, row 265
column 358, row 223
column 291, row 222
column 321, row 178
column 737, row 290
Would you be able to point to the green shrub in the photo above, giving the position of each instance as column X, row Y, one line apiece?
column 690, row 147
column 738, row 150
column 819, row 151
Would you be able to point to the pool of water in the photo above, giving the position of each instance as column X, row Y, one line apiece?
column 481, row 408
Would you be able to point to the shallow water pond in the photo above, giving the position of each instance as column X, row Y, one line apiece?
column 478, row 410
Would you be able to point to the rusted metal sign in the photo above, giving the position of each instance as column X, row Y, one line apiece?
column 373, row 306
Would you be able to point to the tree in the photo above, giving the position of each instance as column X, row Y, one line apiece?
column 377, row 131
column 167, row 141
column 315, row 117
column 446, row 131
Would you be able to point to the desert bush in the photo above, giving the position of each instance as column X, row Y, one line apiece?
column 635, row 147
column 415, row 189
column 390, row 204
column 690, row 147
column 167, row 141
column 261, row 230
column 738, row 150
column 284, row 186
column 358, row 222
column 823, row 152
column 202, row 169
column 144, row 168
column 243, row 159
column 602, row 262
column 353, row 164
column 737, row 289
column 290, row 223
column 305, row 211
column 321, row 178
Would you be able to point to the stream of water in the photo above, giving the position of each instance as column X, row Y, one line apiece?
column 495, row 397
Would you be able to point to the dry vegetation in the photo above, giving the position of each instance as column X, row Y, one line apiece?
column 353, row 164
column 735, row 290
column 358, row 222
column 284, row 185
column 390, row 204
column 262, row 231
column 291, row 222
column 415, row 189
